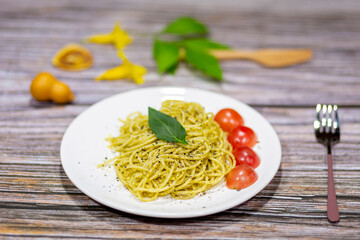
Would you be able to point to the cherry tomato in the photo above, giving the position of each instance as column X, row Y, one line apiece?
column 242, row 136
column 245, row 155
column 242, row 176
column 228, row 119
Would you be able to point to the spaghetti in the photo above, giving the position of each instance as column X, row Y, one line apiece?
column 150, row 168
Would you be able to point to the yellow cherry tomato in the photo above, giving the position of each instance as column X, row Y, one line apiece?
column 61, row 93
column 46, row 87
column 41, row 86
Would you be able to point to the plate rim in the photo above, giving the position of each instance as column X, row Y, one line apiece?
column 172, row 215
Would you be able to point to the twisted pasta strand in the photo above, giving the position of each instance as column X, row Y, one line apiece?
column 150, row 168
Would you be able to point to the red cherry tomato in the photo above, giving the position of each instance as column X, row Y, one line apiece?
column 245, row 155
column 242, row 136
column 242, row 176
column 228, row 119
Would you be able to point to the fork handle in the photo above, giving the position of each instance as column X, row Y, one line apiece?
column 332, row 207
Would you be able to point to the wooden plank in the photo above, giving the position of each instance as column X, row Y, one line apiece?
column 34, row 188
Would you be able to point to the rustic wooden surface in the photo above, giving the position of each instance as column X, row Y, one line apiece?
column 37, row 200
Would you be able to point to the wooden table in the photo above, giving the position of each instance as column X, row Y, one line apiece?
column 37, row 200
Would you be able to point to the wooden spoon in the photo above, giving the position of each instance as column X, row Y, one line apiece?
column 272, row 58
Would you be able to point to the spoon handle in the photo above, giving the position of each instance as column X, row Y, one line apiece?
column 232, row 54
column 272, row 58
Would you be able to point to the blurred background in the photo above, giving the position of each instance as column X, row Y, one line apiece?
column 32, row 31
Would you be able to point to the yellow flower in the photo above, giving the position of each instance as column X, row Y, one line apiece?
column 118, row 37
column 126, row 70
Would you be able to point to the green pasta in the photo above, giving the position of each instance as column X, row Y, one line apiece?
column 150, row 168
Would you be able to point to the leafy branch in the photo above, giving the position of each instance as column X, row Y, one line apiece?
column 190, row 44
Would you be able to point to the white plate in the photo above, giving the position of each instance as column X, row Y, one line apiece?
column 83, row 147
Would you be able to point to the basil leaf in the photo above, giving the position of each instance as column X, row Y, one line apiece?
column 166, row 55
column 203, row 44
column 205, row 62
column 185, row 26
column 165, row 127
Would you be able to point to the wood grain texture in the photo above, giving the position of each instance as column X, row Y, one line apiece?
column 37, row 200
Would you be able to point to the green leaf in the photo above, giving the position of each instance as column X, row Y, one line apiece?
column 165, row 127
column 166, row 55
column 205, row 62
column 203, row 44
column 172, row 69
column 185, row 26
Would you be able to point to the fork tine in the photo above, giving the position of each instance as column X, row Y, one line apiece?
column 324, row 118
column 329, row 118
column 317, row 120
column 336, row 124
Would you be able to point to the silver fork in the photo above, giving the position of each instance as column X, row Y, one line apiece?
column 327, row 132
